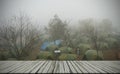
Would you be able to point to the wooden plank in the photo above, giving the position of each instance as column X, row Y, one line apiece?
column 2, row 62
column 61, row 65
column 36, row 63
column 21, row 68
column 41, row 63
column 98, row 66
column 7, row 65
column 116, row 62
column 101, row 66
column 56, row 68
column 45, row 67
column 52, row 66
column 72, row 70
column 113, row 65
column 85, row 67
column 75, row 67
column 110, row 63
column 89, row 67
column 81, row 68
column 17, row 65
column 94, row 67
column 109, row 67
column 66, row 68
column 26, row 67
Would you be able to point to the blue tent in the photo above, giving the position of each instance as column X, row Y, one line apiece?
column 46, row 44
column 58, row 42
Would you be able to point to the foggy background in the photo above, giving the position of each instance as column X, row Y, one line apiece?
column 71, row 10
column 34, row 29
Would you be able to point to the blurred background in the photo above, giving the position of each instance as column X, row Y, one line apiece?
column 59, row 30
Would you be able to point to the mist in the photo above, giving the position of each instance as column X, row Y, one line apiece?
column 70, row 10
column 31, row 29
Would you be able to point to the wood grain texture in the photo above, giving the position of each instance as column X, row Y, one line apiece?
column 59, row 66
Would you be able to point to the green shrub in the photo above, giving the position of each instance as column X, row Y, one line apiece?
column 52, row 47
column 4, row 55
column 66, row 50
column 45, row 55
column 84, row 48
column 63, row 49
column 68, row 57
column 92, row 55
column 70, row 50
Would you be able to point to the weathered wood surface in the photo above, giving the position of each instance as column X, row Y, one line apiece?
column 59, row 66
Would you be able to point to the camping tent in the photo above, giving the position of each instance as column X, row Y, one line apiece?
column 46, row 44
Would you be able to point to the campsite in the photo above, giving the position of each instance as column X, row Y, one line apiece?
column 59, row 41
column 59, row 30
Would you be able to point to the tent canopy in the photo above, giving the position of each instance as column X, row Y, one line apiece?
column 46, row 44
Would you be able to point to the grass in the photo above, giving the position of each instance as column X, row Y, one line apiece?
column 68, row 57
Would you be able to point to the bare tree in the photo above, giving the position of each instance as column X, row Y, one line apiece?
column 57, row 28
column 19, row 35
column 100, row 33
column 89, row 28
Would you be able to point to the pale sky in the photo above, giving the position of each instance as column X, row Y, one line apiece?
column 71, row 10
